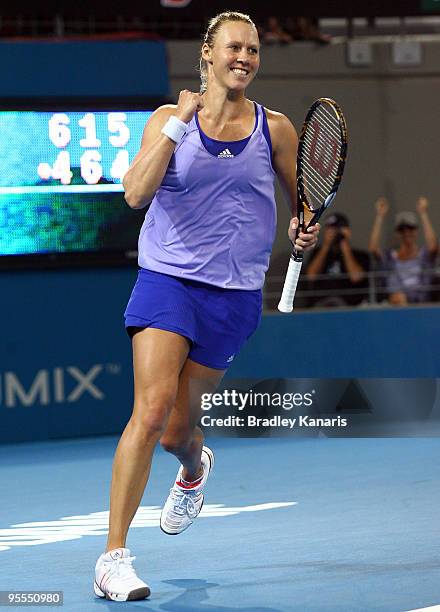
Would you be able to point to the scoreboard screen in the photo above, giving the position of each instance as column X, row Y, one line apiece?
column 61, row 183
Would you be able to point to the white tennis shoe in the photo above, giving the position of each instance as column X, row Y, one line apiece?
column 184, row 504
column 116, row 579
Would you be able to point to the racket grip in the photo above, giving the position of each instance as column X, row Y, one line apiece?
column 290, row 283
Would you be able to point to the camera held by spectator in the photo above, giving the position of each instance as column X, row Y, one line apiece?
column 337, row 273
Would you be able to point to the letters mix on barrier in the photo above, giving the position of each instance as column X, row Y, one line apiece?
column 240, row 408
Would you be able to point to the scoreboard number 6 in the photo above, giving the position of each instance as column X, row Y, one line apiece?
column 59, row 133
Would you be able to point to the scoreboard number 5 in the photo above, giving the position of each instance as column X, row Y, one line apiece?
column 116, row 123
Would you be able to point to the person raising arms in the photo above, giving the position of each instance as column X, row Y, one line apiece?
column 409, row 267
column 205, row 170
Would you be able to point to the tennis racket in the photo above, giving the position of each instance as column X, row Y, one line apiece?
column 322, row 150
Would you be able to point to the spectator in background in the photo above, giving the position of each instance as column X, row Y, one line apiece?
column 306, row 28
column 338, row 269
column 274, row 33
column 409, row 267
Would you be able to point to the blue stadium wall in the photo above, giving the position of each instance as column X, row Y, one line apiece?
column 83, row 69
column 66, row 360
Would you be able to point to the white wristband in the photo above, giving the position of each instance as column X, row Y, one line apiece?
column 174, row 129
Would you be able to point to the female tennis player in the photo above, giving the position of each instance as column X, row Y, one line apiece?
column 206, row 170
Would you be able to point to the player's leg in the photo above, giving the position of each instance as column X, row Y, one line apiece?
column 224, row 320
column 158, row 358
column 184, row 439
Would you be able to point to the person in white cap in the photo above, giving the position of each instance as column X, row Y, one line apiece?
column 409, row 266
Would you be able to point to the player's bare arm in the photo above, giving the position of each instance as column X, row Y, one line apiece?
column 285, row 146
column 148, row 168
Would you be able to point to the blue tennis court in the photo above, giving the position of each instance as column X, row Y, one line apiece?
column 310, row 524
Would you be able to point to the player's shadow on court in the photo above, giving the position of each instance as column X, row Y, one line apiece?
column 194, row 598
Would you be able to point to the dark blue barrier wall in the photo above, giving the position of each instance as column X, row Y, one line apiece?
column 390, row 343
column 57, row 329
column 103, row 69
column 65, row 360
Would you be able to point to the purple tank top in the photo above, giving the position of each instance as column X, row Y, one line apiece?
column 213, row 219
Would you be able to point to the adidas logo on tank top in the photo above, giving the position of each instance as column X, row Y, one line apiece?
column 225, row 153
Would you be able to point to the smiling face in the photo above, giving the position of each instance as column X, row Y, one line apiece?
column 234, row 58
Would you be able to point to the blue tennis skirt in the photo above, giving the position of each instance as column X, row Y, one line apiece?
column 217, row 322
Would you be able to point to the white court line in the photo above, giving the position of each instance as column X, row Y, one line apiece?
column 435, row 608
column 75, row 527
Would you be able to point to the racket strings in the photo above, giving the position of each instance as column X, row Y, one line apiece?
column 315, row 173
column 330, row 120
column 319, row 147
column 313, row 185
column 322, row 159
column 328, row 134
column 314, row 181
column 321, row 152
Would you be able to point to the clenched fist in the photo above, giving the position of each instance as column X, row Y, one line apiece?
column 188, row 104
